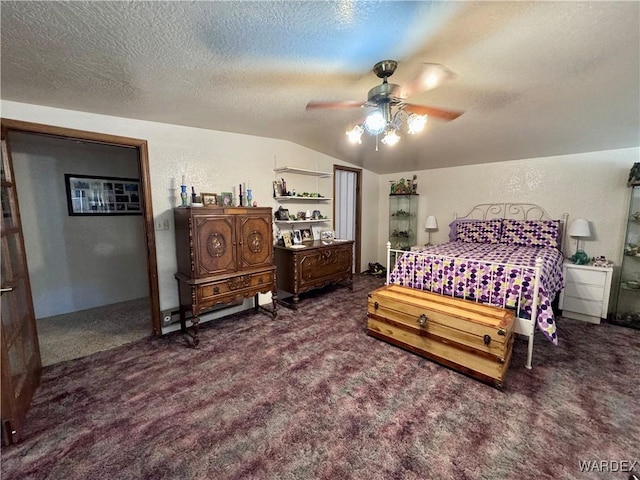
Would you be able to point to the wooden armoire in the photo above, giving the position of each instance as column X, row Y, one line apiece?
column 224, row 254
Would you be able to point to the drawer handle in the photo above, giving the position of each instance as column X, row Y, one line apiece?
column 422, row 320
column 216, row 290
column 375, row 305
column 487, row 340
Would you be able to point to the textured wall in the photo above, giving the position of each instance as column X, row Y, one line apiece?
column 211, row 161
column 585, row 185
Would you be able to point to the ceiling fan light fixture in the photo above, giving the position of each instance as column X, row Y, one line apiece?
column 416, row 123
column 390, row 138
column 375, row 123
column 387, row 110
column 355, row 134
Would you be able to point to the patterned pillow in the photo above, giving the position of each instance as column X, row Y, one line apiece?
column 531, row 233
column 483, row 231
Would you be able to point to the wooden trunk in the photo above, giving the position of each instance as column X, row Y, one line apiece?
column 470, row 337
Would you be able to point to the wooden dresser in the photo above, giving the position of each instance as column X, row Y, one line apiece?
column 314, row 265
column 224, row 254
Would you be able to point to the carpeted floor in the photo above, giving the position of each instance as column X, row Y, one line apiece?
column 310, row 396
column 78, row 334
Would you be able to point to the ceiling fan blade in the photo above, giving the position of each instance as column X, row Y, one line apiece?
column 430, row 76
column 344, row 104
column 440, row 113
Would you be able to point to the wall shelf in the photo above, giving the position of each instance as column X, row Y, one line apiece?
column 302, row 171
column 304, row 199
column 321, row 220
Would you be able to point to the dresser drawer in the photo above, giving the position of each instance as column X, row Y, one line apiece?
column 210, row 291
column 586, row 307
column 592, row 277
column 584, row 290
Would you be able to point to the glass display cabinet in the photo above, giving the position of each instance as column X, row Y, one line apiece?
column 403, row 220
column 627, row 311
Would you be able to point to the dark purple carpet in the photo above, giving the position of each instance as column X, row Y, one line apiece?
column 311, row 396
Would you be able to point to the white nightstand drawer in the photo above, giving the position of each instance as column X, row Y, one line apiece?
column 585, row 291
column 586, row 307
column 592, row 277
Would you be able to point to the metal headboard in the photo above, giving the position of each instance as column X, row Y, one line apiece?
column 517, row 211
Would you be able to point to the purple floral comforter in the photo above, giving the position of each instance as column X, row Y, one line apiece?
column 489, row 273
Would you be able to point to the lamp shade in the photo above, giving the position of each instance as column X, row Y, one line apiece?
column 579, row 228
column 431, row 223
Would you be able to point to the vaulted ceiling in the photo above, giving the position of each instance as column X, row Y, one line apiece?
column 534, row 79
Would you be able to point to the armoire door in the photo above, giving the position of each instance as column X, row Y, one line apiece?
column 255, row 241
column 215, row 244
column 20, row 351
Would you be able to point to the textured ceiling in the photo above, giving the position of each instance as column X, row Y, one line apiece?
column 534, row 78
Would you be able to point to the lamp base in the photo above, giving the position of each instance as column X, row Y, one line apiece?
column 580, row 257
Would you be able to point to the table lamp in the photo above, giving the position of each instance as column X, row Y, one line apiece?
column 579, row 229
column 429, row 225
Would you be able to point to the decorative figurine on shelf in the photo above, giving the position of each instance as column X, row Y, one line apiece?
column 414, row 184
column 402, row 187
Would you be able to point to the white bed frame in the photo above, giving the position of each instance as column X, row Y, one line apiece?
column 488, row 211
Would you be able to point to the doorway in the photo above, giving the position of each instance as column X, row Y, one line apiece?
column 347, row 207
column 141, row 158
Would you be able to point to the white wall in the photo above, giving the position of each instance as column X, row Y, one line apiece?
column 212, row 161
column 587, row 185
column 584, row 185
column 76, row 262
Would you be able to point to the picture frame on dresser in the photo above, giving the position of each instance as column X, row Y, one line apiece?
column 307, row 236
column 209, row 199
column 226, row 199
column 297, row 237
column 316, row 229
column 287, row 239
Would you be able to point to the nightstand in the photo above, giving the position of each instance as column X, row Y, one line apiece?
column 586, row 292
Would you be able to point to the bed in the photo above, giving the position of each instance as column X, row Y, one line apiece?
column 506, row 254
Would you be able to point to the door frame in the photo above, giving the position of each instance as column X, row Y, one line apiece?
column 145, row 182
column 358, row 216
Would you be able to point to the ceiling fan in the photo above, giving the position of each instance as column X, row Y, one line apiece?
column 388, row 106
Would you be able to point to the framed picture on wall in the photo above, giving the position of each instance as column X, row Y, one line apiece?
column 94, row 195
